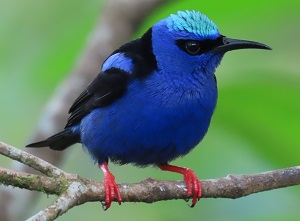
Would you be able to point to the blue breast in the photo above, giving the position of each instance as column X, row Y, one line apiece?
column 154, row 122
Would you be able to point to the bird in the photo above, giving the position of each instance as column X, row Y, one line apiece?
column 152, row 101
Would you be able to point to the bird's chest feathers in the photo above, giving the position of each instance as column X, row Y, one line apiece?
column 175, row 110
column 183, row 95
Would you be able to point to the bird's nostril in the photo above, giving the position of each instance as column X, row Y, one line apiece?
column 225, row 41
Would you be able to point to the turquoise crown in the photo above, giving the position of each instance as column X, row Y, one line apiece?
column 192, row 22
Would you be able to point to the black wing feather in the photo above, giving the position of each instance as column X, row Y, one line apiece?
column 102, row 91
column 112, row 83
column 83, row 96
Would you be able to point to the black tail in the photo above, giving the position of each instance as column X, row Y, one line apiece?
column 59, row 141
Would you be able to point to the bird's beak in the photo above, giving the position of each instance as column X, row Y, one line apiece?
column 229, row 44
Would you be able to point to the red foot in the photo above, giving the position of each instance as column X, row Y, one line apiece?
column 192, row 182
column 111, row 188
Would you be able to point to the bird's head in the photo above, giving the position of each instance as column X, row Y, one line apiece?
column 190, row 42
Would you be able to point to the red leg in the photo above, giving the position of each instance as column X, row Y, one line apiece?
column 111, row 188
column 190, row 178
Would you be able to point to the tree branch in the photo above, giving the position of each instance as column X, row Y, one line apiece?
column 74, row 190
column 65, row 202
column 30, row 160
column 29, row 181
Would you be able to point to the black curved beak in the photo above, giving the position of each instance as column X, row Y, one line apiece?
column 230, row 44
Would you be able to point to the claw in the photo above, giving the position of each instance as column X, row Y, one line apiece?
column 193, row 184
column 111, row 188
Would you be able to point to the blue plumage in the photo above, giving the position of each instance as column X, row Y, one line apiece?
column 153, row 99
column 120, row 61
column 160, row 117
column 151, row 123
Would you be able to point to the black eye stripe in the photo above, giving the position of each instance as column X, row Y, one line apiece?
column 205, row 45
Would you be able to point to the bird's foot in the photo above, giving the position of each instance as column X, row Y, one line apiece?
column 111, row 188
column 193, row 184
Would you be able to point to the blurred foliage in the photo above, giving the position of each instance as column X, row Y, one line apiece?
column 255, row 128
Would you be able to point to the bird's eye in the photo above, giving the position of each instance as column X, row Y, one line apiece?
column 192, row 47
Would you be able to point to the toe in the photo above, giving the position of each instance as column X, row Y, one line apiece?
column 194, row 188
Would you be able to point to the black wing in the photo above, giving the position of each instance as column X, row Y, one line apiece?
column 102, row 91
column 109, row 85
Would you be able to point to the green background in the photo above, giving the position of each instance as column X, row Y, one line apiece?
column 255, row 127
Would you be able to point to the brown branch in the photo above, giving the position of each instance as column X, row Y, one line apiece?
column 29, row 181
column 30, row 160
column 74, row 190
column 151, row 190
column 65, row 202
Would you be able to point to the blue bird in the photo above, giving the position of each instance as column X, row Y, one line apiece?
column 153, row 100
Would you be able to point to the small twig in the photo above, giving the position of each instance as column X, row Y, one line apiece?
column 62, row 204
column 30, row 160
column 29, row 181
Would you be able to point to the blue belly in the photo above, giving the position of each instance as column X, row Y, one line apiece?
column 145, row 128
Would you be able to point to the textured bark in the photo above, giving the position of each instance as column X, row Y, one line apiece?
column 73, row 190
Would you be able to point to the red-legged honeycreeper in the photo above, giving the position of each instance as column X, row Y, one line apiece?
column 152, row 100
